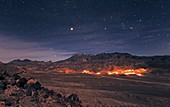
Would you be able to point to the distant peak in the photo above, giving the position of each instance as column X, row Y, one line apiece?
column 1, row 62
column 101, row 56
column 81, row 55
column 19, row 60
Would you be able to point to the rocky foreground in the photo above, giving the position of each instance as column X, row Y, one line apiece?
column 17, row 91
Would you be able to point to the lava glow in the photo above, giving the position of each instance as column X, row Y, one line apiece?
column 116, row 71
column 119, row 71
column 65, row 70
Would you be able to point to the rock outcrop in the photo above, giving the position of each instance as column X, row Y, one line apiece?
column 16, row 91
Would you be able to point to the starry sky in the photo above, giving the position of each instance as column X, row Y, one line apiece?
column 56, row 29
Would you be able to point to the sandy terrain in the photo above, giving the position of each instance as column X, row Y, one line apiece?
column 110, row 91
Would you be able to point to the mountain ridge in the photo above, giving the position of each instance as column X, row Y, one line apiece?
column 96, row 62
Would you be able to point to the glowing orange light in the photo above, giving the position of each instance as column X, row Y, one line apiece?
column 65, row 70
column 98, row 73
column 118, row 70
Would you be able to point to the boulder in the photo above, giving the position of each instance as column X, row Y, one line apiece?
column 73, row 97
column 45, row 93
column 73, row 100
column 21, row 82
column 59, row 95
column 33, row 84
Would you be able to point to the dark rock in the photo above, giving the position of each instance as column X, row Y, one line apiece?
column 33, row 84
column 45, row 96
column 4, row 73
column 73, row 100
column 16, row 77
column 49, row 92
column 2, row 78
column 3, row 85
column 29, row 92
column 21, row 82
column 37, row 86
column 59, row 95
column 73, row 97
column 11, row 81
column 22, row 92
column 35, row 96
column 8, row 103
column 46, row 93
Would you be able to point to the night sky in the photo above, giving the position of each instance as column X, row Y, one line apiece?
column 56, row 29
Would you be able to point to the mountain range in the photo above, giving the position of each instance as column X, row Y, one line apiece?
column 95, row 63
column 62, row 84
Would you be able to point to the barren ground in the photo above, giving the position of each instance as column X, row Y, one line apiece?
column 110, row 91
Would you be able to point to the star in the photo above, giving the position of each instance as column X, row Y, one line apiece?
column 131, row 28
column 78, row 26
